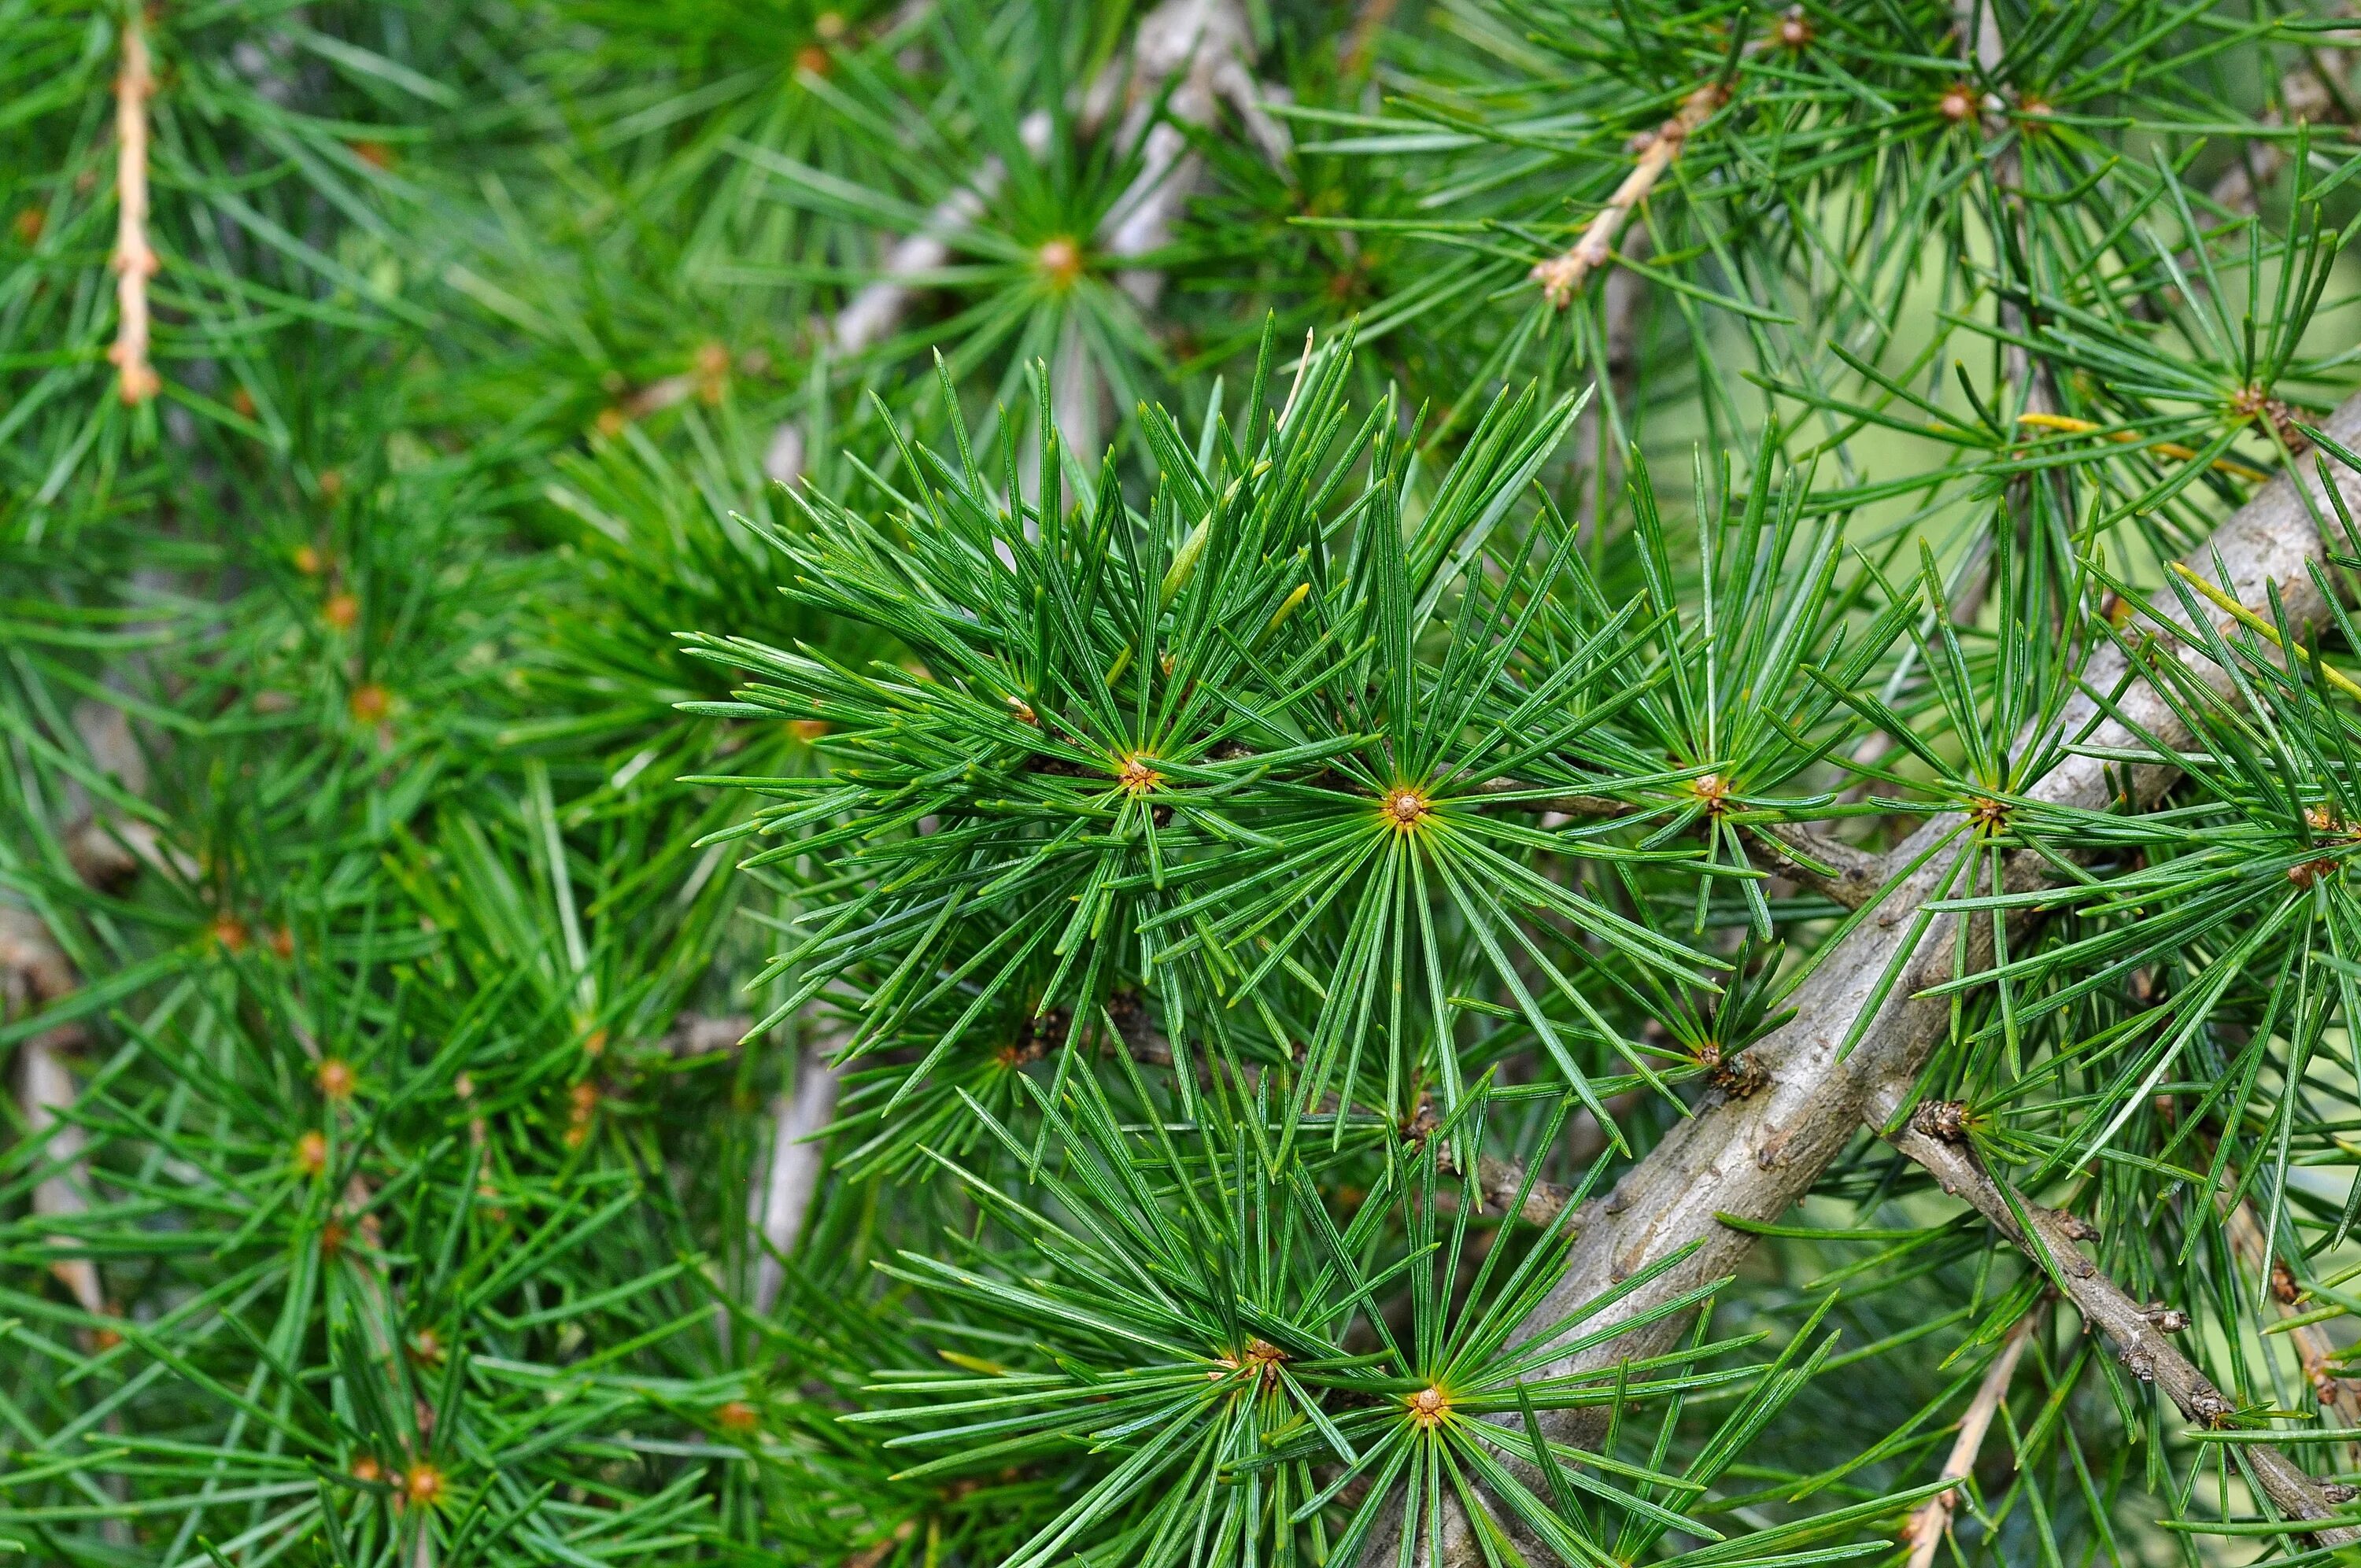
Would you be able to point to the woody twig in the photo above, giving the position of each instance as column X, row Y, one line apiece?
column 134, row 259
column 2313, row 1349
column 2141, row 1333
column 1932, row 1519
column 1562, row 277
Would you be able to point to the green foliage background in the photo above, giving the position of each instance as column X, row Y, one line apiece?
column 456, row 799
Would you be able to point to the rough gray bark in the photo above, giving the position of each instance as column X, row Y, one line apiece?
column 1755, row 1156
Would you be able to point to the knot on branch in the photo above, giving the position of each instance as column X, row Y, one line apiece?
column 2207, row 1407
column 1944, row 1121
column 1738, row 1076
column 2075, row 1226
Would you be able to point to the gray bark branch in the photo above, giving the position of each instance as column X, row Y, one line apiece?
column 2143, row 1347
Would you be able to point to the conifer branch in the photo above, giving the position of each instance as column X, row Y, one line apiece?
column 1618, row 382
column 2141, row 1344
column 1441, row 829
column 1853, row 1035
column 875, row 312
column 699, row 1034
column 134, row 259
column 1502, row 1180
column 1977, row 26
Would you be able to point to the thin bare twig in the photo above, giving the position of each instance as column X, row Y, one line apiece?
column 135, row 260
column 1562, row 277
column 1502, row 1180
column 1932, row 1519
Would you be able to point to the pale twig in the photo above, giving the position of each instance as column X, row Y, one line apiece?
column 36, row 974
column 876, row 310
column 1562, row 277
column 135, row 261
column 1204, row 50
column 785, row 1197
column 1932, row 1519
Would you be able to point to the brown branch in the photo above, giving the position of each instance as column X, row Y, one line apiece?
column 2313, row 1349
column 1932, row 1519
column 1369, row 19
column 2142, row 1344
column 1562, row 277
column 135, row 262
